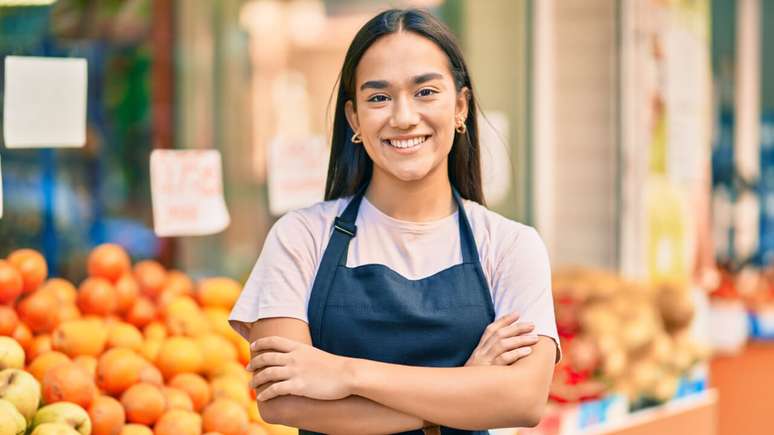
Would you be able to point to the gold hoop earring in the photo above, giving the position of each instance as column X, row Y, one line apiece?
column 461, row 128
column 356, row 138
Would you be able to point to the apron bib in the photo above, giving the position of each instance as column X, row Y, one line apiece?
column 373, row 312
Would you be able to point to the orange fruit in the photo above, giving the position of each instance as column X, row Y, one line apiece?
column 179, row 422
column 45, row 361
column 124, row 334
column 118, row 369
column 216, row 350
column 88, row 363
column 23, row 336
column 40, row 344
column 97, row 296
column 152, row 375
column 135, row 429
column 218, row 292
column 231, row 388
column 39, row 311
column 184, row 317
column 11, row 282
column 256, row 429
column 224, row 416
column 86, row 336
column 32, row 267
column 179, row 355
column 155, row 331
column 195, row 386
column 150, row 348
column 108, row 261
column 141, row 312
column 151, row 276
column 107, row 416
column 178, row 283
column 64, row 290
column 127, row 291
column 9, row 320
column 68, row 382
column 177, row 399
column 68, row 312
column 143, row 403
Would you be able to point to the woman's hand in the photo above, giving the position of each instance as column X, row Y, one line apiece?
column 504, row 342
column 297, row 369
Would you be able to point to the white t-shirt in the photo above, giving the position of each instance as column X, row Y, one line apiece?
column 513, row 258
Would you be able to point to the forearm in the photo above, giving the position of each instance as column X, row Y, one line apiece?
column 353, row 415
column 472, row 398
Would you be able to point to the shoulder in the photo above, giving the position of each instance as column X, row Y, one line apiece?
column 312, row 220
column 492, row 227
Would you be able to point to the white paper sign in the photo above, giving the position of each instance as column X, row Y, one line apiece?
column 187, row 193
column 45, row 102
column 297, row 170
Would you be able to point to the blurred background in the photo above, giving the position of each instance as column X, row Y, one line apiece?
column 637, row 136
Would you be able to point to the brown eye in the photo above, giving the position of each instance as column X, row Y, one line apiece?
column 376, row 99
column 426, row 92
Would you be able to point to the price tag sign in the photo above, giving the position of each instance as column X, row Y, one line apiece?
column 297, row 170
column 187, row 193
column 45, row 102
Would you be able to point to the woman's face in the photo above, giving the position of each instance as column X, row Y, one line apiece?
column 407, row 107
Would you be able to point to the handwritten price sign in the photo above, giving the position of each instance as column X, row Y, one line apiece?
column 187, row 193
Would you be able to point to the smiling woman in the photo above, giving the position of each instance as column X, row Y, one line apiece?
column 401, row 303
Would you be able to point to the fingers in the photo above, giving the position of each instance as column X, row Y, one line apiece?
column 278, row 389
column 267, row 359
column 510, row 357
column 270, row 374
column 499, row 323
column 514, row 329
column 280, row 344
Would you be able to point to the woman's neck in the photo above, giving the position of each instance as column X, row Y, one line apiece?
column 417, row 201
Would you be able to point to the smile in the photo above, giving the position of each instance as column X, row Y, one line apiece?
column 406, row 144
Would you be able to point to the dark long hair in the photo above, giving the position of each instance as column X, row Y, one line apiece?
column 350, row 167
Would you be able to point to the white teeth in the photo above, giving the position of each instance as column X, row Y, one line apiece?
column 407, row 143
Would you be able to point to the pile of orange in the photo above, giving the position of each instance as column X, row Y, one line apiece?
column 141, row 348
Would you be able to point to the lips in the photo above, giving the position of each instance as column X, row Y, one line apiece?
column 405, row 143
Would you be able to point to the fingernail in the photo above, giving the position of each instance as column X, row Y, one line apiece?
column 526, row 350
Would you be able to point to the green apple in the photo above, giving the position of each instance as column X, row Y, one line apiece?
column 21, row 389
column 54, row 429
column 11, row 354
column 11, row 420
column 64, row 412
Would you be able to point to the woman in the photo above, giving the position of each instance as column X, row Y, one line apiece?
column 374, row 311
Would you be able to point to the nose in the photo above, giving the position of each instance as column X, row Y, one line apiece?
column 404, row 116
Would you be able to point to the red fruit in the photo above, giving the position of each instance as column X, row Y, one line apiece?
column 11, row 283
column 97, row 296
column 40, row 312
column 108, row 261
column 32, row 267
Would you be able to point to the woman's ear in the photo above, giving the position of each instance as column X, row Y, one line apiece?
column 349, row 111
column 461, row 106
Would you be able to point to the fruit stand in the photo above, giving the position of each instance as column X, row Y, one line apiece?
column 132, row 350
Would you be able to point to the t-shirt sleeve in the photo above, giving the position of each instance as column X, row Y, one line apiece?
column 279, row 283
column 522, row 283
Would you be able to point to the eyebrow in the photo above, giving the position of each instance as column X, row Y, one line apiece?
column 384, row 84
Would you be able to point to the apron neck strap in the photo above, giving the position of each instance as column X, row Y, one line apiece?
column 345, row 229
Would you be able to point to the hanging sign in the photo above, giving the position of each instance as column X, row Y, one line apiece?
column 187, row 193
column 45, row 102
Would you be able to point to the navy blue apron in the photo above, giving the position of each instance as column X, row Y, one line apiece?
column 373, row 312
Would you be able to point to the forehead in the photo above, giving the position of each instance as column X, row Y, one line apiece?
column 400, row 56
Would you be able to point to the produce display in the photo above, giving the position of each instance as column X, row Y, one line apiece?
column 619, row 336
column 133, row 350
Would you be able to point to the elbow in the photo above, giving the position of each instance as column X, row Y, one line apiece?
column 528, row 415
column 274, row 411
